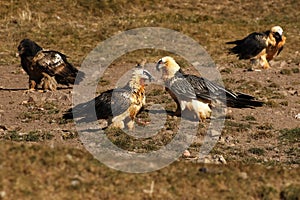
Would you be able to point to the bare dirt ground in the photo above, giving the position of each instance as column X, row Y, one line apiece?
column 256, row 156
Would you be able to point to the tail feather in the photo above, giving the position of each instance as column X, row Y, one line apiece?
column 68, row 75
column 243, row 101
column 235, row 42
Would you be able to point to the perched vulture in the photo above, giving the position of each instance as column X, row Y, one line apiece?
column 198, row 94
column 119, row 105
column 260, row 47
column 46, row 67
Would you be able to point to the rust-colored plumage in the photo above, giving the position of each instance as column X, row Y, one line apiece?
column 261, row 47
column 119, row 106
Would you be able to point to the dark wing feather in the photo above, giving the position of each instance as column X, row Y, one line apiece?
column 55, row 64
column 250, row 46
column 120, row 101
column 109, row 103
column 210, row 91
column 279, row 50
column 181, row 88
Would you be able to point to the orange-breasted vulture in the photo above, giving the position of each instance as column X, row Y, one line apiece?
column 260, row 47
column 197, row 94
column 46, row 67
column 119, row 106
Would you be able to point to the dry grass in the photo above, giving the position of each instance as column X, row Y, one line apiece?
column 32, row 167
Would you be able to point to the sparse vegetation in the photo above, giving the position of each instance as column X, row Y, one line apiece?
column 257, row 151
column 285, row 72
column 296, row 70
column 41, row 153
column 290, row 192
column 290, row 135
column 250, row 118
column 31, row 136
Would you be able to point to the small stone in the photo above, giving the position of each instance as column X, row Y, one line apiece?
column 215, row 133
column 228, row 139
column 284, row 93
column 293, row 92
column 2, row 194
column 207, row 161
column 186, row 153
column 283, row 63
column 75, row 183
column 24, row 102
column 70, row 157
column 229, row 111
column 222, row 160
column 243, row 175
column 2, row 127
column 222, row 140
column 297, row 116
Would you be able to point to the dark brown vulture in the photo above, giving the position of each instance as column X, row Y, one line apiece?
column 46, row 67
column 120, row 104
column 197, row 94
column 260, row 47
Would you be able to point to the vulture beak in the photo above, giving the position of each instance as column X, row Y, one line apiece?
column 147, row 75
column 278, row 37
column 159, row 65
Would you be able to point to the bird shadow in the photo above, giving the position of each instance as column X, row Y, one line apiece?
column 13, row 89
column 24, row 89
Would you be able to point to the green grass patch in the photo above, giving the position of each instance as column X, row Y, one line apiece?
column 258, row 135
column 31, row 136
column 290, row 135
column 296, row 70
column 272, row 104
column 250, row 118
column 284, row 103
column 265, row 126
column 266, row 192
column 256, row 151
column 285, row 72
column 237, row 126
column 291, row 192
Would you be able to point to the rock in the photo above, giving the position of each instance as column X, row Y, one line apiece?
column 2, row 127
column 75, row 183
column 216, row 159
column 215, row 133
column 297, row 116
column 220, row 159
column 293, row 92
column 222, row 140
column 283, row 63
column 243, row 175
column 228, row 139
column 186, row 154
column 2, row 194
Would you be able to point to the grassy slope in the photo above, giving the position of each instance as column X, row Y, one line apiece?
column 75, row 28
